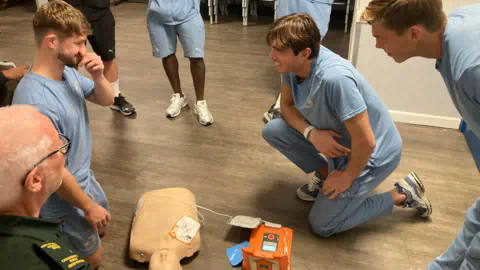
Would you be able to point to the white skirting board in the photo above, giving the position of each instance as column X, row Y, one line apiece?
column 425, row 120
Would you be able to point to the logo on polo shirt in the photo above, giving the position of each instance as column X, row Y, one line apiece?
column 76, row 85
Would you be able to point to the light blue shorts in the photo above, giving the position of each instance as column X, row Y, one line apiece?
column 164, row 37
column 81, row 234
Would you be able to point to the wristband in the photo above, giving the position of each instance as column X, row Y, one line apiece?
column 307, row 131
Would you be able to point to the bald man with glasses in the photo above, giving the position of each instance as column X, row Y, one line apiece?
column 62, row 149
column 32, row 166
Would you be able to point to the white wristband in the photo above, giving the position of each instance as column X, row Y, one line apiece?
column 307, row 131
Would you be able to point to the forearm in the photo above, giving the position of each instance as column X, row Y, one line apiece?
column 104, row 94
column 71, row 192
column 361, row 152
column 293, row 117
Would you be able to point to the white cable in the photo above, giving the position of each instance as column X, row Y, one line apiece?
column 285, row 249
column 196, row 206
column 204, row 208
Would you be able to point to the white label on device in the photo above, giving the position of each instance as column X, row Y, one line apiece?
column 186, row 229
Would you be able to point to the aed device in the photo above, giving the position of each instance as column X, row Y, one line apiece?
column 270, row 249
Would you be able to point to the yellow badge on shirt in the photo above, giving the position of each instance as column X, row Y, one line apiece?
column 62, row 255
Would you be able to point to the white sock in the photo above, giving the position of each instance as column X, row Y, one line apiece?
column 116, row 88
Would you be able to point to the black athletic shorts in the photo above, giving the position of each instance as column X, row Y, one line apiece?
column 103, row 26
column 100, row 16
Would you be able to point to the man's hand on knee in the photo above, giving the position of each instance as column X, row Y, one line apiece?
column 336, row 183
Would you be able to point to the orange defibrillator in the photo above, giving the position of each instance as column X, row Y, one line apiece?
column 270, row 249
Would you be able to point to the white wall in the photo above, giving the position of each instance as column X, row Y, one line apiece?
column 413, row 91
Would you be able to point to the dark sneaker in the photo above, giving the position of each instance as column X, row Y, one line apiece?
column 122, row 106
column 309, row 192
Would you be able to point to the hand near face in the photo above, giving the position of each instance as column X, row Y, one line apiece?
column 93, row 64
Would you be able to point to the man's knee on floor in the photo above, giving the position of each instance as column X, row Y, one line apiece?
column 321, row 227
column 95, row 259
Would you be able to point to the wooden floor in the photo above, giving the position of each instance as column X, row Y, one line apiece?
column 228, row 165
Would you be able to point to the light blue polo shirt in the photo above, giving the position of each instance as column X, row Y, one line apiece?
column 460, row 63
column 63, row 102
column 335, row 92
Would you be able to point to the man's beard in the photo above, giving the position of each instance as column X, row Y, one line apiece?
column 69, row 61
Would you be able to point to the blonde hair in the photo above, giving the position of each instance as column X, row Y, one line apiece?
column 399, row 15
column 61, row 17
column 21, row 146
column 296, row 31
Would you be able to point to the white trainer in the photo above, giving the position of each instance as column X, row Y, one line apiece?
column 176, row 105
column 204, row 116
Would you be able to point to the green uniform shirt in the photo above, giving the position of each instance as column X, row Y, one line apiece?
column 32, row 243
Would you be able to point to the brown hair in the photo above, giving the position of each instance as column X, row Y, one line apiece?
column 59, row 16
column 296, row 31
column 399, row 15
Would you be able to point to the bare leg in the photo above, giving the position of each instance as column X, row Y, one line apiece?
column 170, row 64
column 197, row 67
column 111, row 71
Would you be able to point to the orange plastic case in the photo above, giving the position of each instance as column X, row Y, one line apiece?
column 263, row 254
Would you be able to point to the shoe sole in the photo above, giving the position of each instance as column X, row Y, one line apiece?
column 179, row 111
column 116, row 108
column 301, row 195
column 421, row 194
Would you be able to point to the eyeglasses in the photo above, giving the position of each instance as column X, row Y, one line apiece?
column 62, row 149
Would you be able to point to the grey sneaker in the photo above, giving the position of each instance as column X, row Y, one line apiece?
column 272, row 113
column 413, row 188
column 308, row 192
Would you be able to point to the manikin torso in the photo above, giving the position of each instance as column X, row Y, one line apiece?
column 157, row 213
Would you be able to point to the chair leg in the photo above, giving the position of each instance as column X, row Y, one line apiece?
column 346, row 15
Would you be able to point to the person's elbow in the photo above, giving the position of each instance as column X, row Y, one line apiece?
column 286, row 107
column 370, row 144
column 366, row 143
column 106, row 101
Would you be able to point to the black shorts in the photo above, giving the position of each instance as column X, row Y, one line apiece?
column 103, row 26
